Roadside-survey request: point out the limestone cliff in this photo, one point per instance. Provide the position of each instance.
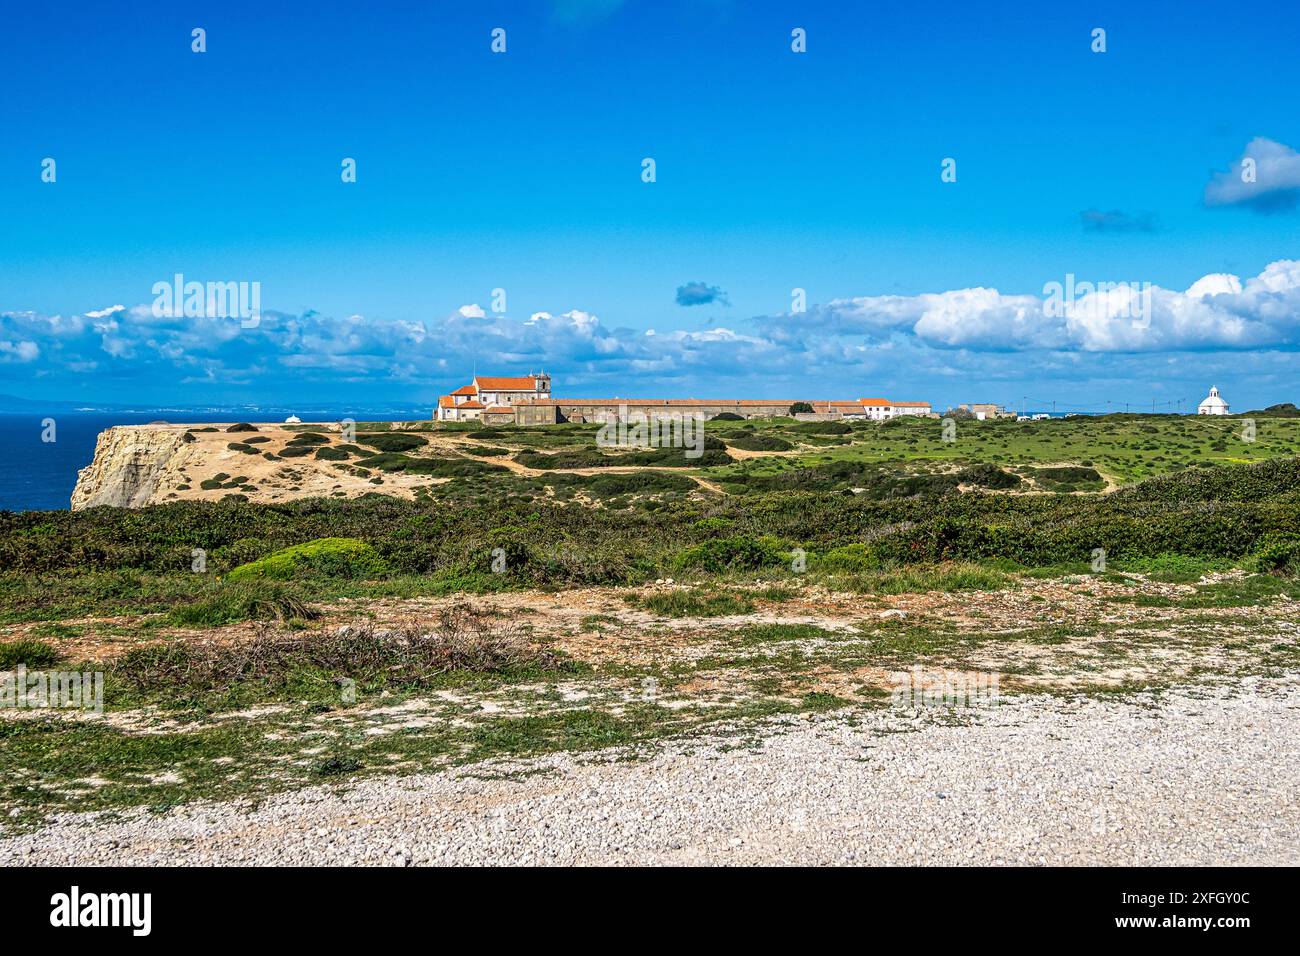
(131, 463)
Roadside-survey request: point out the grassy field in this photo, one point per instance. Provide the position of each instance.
(523, 610)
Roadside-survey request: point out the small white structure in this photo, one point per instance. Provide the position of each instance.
(293, 420)
(1213, 404)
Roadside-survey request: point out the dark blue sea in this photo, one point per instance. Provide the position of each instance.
(39, 476)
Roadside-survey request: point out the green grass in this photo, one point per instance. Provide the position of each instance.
(230, 602)
(32, 654)
(693, 603)
(958, 576)
(768, 633)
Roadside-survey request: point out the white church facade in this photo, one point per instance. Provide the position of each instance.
(1213, 404)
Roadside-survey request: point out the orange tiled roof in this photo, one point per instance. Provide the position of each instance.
(660, 402)
(466, 390)
(913, 404)
(472, 403)
(873, 401)
(446, 401)
(520, 384)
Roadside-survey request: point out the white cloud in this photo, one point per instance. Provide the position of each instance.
(1265, 178)
(1216, 311)
(103, 313)
(19, 351)
(934, 335)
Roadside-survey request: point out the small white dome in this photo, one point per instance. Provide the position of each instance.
(1212, 404)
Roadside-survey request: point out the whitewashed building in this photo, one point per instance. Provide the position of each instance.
(492, 397)
(1213, 404)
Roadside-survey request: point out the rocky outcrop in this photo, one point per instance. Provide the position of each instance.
(131, 463)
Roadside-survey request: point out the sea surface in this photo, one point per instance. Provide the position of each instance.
(37, 475)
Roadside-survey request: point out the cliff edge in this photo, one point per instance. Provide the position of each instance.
(130, 464)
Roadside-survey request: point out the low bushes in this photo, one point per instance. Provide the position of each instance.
(30, 653)
(643, 483)
(393, 441)
(760, 442)
(459, 640)
(571, 544)
(434, 467)
(733, 554)
(695, 603)
(232, 602)
(822, 428)
(332, 557)
(988, 476)
(1278, 553)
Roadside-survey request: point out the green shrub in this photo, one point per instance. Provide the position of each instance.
(32, 654)
(393, 441)
(822, 428)
(695, 603)
(645, 482)
(232, 602)
(434, 467)
(738, 553)
(714, 525)
(988, 476)
(238, 427)
(853, 558)
(308, 438)
(1278, 554)
(331, 557)
(356, 450)
(328, 453)
(760, 442)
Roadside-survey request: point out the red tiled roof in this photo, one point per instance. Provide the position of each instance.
(521, 384)
(661, 402)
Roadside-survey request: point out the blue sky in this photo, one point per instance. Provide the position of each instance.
(522, 171)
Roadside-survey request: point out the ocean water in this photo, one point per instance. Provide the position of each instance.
(36, 475)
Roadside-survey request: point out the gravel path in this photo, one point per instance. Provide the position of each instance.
(1198, 776)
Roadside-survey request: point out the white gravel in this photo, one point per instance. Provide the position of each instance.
(1197, 776)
